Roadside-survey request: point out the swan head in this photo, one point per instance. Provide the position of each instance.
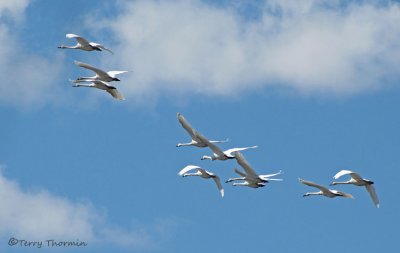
(205, 157)
(368, 181)
(61, 46)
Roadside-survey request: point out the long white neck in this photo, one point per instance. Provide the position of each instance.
(344, 182)
(184, 144)
(68, 47)
(241, 184)
(191, 174)
(312, 193)
(234, 179)
(84, 85)
(86, 79)
(207, 157)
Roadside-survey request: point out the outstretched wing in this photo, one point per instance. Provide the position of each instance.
(116, 94)
(348, 172)
(312, 184)
(101, 46)
(187, 169)
(87, 66)
(212, 146)
(245, 165)
(372, 193)
(219, 186)
(268, 176)
(80, 39)
(185, 124)
(343, 194)
(232, 150)
(114, 73)
(240, 173)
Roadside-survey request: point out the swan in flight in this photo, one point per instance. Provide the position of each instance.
(356, 179)
(100, 74)
(195, 141)
(251, 178)
(323, 190)
(83, 44)
(202, 173)
(218, 154)
(102, 86)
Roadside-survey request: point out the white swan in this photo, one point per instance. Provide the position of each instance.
(251, 178)
(195, 141)
(218, 153)
(101, 75)
(356, 179)
(323, 190)
(83, 44)
(202, 173)
(102, 86)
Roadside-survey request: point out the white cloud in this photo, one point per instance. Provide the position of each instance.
(27, 78)
(182, 47)
(42, 216)
(13, 8)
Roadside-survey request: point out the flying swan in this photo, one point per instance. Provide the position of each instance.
(202, 173)
(195, 141)
(218, 154)
(356, 179)
(323, 190)
(251, 178)
(100, 74)
(83, 44)
(102, 86)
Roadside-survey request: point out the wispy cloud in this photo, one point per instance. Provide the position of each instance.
(41, 215)
(313, 47)
(13, 8)
(27, 78)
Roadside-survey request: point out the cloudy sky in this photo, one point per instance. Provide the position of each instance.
(315, 84)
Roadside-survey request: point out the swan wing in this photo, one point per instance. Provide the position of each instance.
(240, 173)
(245, 165)
(219, 186)
(231, 151)
(101, 46)
(80, 39)
(372, 193)
(116, 94)
(87, 66)
(312, 184)
(114, 73)
(268, 176)
(343, 194)
(185, 124)
(187, 169)
(212, 146)
(348, 172)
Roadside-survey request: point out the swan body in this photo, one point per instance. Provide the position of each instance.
(323, 190)
(218, 154)
(357, 180)
(250, 177)
(101, 75)
(192, 132)
(102, 86)
(83, 44)
(203, 174)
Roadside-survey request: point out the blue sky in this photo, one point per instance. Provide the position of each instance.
(313, 83)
